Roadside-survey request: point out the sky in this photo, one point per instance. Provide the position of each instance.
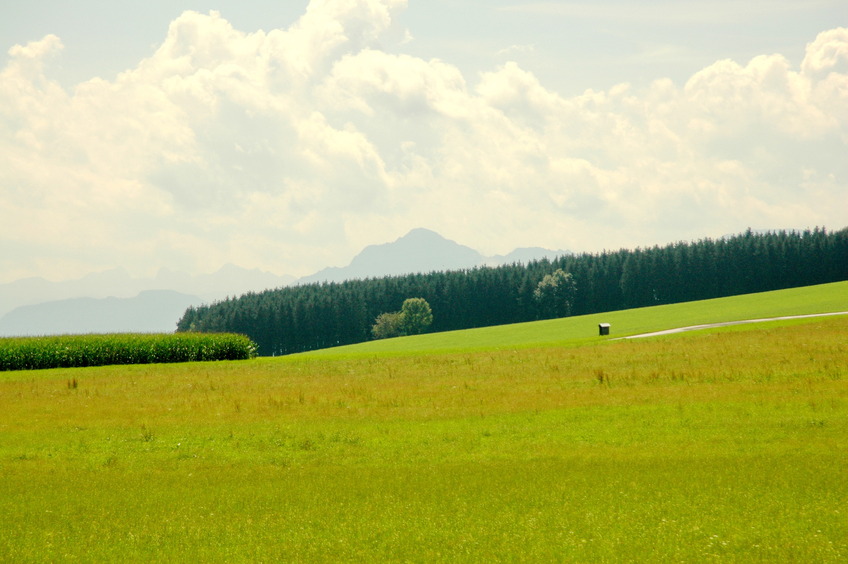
(287, 136)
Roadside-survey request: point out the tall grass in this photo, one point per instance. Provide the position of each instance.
(32, 353)
(712, 447)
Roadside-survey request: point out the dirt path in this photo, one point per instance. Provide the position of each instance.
(728, 323)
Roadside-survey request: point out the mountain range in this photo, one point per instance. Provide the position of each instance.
(152, 311)
(420, 250)
(114, 301)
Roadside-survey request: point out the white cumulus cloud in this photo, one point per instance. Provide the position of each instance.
(293, 148)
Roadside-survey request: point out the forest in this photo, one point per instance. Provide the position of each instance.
(307, 317)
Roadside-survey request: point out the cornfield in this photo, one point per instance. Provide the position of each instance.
(66, 351)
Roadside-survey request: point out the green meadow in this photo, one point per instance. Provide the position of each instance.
(573, 331)
(534, 442)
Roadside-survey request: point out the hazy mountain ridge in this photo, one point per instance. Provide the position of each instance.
(229, 280)
(421, 250)
(152, 311)
(114, 301)
(525, 255)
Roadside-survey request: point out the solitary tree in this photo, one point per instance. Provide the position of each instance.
(416, 316)
(555, 294)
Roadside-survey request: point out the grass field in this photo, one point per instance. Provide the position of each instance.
(572, 331)
(726, 445)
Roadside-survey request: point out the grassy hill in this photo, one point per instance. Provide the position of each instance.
(572, 331)
(504, 444)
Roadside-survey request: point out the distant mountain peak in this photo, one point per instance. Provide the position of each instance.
(422, 233)
(97, 300)
(421, 250)
(419, 236)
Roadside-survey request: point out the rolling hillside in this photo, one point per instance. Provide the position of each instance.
(528, 442)
(316, 316)
(824, 298)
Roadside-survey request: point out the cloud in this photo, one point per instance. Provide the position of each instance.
(828, 53)
(294, 148)
(37, 50)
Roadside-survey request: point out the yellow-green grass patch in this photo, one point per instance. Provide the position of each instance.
(583, 330)
(716, 446)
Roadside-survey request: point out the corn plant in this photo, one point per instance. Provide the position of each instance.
(66, 351)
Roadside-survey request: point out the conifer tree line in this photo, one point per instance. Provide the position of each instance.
(307, 317)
